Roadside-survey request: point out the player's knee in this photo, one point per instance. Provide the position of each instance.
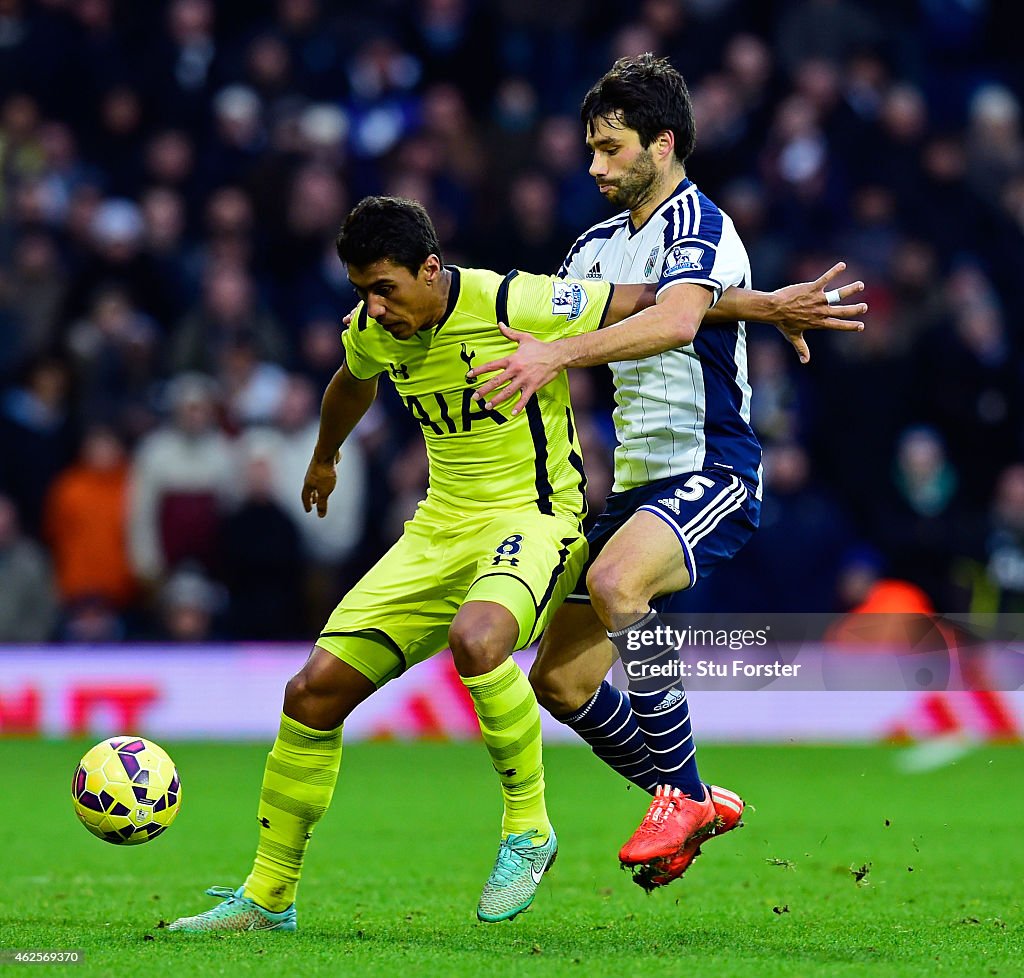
(296, 694)
(477, 648)
(301, 690)
(554, 691)
(613, 595)
(311, 698)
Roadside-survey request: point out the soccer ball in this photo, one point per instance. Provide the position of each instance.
(126, 791)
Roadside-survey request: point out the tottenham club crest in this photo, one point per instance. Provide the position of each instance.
(568, 299)
(467, 358)
(682, 259)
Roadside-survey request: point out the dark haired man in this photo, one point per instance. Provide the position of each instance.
(491, 552)
(688, 465)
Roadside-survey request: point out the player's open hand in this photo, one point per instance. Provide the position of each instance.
(817, 305)
(321, 478)
(525, 372)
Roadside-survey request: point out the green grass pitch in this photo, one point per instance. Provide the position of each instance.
(396, 867)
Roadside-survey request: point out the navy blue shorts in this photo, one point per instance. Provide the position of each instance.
(712, 513)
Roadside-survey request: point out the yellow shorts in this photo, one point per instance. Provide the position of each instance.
(400, 612)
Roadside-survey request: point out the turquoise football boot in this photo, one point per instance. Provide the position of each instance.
(517, 873)
(235, 912)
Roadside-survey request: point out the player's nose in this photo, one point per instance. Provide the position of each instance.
(376, 310)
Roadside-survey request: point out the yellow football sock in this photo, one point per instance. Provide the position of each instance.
(298, 783)
(510, 723)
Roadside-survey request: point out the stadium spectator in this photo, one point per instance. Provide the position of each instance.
(832, 29)
(228, 313)
(1002, 586)
(153, 155)
(287, 445)
(260, 557)
(230, 235)
(21, 152)
(190, 604)
(116, 139)
(238, 137)
(30, 297)
(922, 518)
(316, 46)
(996, 144)
(36, 437)
(971, 392)
(164, 220)
(315, 205)
(528, 236)
(114, 255)
(803, 528)
(114, 354)
(27, 602)
(182, 64)
(452, 40)
(85, 523)
(183, 477)
(775, 405)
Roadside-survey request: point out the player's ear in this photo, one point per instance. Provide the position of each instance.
(431, 269)
(665, 144)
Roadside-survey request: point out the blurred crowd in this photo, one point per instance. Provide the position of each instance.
(172, 175)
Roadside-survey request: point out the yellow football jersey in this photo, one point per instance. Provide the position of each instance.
(481, 460)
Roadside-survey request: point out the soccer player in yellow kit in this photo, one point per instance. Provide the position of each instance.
(488, 557)
(481, 568)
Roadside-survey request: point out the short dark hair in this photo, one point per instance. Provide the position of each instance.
(650, 96)
(392, 228)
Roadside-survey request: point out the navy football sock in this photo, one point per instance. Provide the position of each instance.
(607, 724)
(659, 701)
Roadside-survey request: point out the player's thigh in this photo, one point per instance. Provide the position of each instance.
(399, 612)
(575, 655)
(527, 562)
(643, 559)
(681, 529)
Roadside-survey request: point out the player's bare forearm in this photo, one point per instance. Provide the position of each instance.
(627, 300)
(669, 324)
(643, 335)
(346, 400)
(744, 304)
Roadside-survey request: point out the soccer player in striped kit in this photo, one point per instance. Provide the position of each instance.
(687, 466)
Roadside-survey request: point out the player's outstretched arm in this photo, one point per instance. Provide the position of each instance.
(346, 400)
(670, 323)
(796, 308)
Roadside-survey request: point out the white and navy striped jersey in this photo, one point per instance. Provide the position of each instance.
(685, 409)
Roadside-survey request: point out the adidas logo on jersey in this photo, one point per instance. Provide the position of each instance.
(672, 504)
(595, 271)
